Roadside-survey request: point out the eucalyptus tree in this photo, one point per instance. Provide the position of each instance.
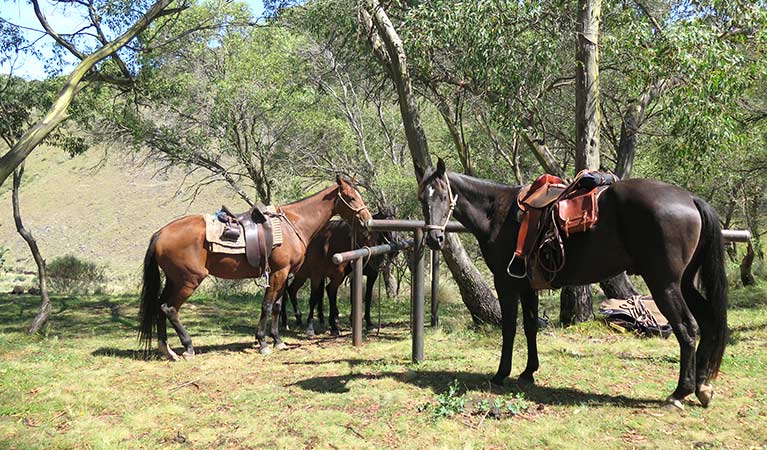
(110, 27)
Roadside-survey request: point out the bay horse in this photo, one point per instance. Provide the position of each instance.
(318, 267)
(646, 227)
(179, 249)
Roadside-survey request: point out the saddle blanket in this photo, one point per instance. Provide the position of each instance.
(639, 314)
(214, 228)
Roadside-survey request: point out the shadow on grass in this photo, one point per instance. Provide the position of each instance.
(438, 380)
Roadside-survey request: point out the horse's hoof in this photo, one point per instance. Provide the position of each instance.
(165, 349)
(704, 393)
(526, 378)
(280, 346)
(673, 403)
(310, 332)
(187, 355)
(265, 350)
(498, 381)
(335, 333)
(370, 327)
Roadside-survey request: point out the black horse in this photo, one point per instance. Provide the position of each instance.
(646, 227)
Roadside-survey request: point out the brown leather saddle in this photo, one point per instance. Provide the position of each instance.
(257, 227)
(550, 205)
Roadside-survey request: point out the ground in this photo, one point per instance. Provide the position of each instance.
(85, 385)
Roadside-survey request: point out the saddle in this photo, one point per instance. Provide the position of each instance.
(548, 207)
(261, 226)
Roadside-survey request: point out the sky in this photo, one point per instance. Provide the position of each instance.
(62, 19)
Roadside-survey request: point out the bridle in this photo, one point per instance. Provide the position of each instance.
(453, 202)
(355, 210)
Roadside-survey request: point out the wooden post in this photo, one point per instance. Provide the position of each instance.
(417, 297)
(357, 303)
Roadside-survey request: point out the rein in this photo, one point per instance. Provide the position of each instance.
(453, 202)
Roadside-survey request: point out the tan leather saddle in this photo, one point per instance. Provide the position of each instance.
(551, 202)
(255, 223)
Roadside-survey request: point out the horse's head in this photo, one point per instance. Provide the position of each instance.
(438, 203)
(350, 206)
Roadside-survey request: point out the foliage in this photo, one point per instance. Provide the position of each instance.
(3, 251)
(448, 403)
(72, 275)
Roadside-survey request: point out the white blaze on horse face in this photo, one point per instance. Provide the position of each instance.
(430, 192)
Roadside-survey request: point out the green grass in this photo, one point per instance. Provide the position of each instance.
(84, 384)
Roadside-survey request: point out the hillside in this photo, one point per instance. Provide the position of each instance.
(100, 210)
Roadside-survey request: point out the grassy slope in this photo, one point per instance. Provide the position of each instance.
(105, 215)
(84, 386)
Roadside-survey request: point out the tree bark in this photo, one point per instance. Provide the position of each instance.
(58, 111)
(45, 302)
(746, 277)
(587, 85)
(575, 301)
(387, 46)
(572, 305)
(619, 286)
(389, 281)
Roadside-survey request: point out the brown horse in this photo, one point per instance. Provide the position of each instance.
(179, 248)
(646, 227)
(318, 266)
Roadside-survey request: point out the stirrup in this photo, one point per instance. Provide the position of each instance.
(516, 275)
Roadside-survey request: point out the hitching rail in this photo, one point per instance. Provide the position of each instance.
(359, 256)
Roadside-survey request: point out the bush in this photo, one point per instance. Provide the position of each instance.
(3, 251)
(72, 275)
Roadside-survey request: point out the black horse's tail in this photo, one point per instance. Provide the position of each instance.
(149, 310)
(714, 280)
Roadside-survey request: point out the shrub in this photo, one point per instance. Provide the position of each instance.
(72, 275)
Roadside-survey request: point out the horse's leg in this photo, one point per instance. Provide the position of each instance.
(509, 298)
(162, 331)
(530, 323)
(332, 291)
(672, 305)
(275, 332)
(284, 316)
(276, 284)
(704, 317)
(292, 291)
(318, 286)
(370, 284)
(171, 312)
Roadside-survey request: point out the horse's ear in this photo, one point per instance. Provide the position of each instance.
(338, 179)
(354, 179)
(441, 167)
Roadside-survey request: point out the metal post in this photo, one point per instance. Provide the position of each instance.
(357, 303)
(417, 300)
(434, 288)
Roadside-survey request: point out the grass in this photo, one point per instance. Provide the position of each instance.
(84, 384)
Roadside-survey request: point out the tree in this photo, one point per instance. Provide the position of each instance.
(388, 47)
(87, 70)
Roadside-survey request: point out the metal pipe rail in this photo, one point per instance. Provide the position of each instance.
(417, 288)
(408, 225)
(340, 258)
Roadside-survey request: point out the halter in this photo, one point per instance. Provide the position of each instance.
(355, 210)
(453, 202)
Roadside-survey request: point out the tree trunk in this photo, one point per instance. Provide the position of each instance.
(587, 85)
(387, 46)
(389, 280)
(576, 304)
(45, 305)
(58, 111)
(746, 277)
(619, 286)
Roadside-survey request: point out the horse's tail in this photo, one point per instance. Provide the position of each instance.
(149, 310)
(714, 280)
